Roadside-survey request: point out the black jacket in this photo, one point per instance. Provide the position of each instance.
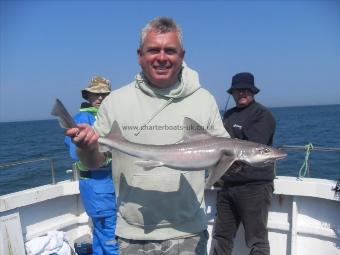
(253, 123)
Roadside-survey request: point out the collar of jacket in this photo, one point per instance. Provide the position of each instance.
(188, 83)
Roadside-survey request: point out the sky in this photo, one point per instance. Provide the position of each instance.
(51, 49)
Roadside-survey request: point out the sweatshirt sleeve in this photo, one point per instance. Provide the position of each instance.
(216, 126)
(104, 122)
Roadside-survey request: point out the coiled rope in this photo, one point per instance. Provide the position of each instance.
(304, 169)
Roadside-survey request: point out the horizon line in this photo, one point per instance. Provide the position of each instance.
(221, 110)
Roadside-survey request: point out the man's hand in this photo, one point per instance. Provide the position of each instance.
(86, 140)
(83, 136)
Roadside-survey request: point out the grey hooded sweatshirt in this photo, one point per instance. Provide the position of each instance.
(161, 203)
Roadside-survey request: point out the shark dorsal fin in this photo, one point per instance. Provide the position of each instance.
(193, 130)
(115, 131)
(114, 134)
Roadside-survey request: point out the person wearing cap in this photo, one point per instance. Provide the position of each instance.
(96, 186)
(246, 194)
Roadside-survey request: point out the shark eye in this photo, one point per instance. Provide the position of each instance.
(264, 150)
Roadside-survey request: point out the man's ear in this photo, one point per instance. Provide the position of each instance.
(139, 54)
(183, 53)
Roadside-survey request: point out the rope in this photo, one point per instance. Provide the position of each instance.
(304, 169)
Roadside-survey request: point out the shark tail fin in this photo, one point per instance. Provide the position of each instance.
(64, 118)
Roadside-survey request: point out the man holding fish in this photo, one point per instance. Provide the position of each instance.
(160, 198)
(160, 209)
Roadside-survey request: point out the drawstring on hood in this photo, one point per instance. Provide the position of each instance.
(188, 83)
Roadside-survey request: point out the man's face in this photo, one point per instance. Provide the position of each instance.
(161, 58)
(95, 99)
(242, 97)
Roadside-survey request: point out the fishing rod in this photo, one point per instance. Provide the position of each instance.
(226, 106)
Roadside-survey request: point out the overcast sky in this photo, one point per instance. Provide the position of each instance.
(50, 49)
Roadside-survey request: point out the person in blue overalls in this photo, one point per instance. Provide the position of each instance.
(95, 185)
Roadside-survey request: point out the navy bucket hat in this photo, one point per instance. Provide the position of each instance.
(243, 81)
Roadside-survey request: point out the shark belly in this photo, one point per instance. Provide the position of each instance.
(187, 159)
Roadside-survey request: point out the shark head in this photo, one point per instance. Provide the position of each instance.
(261, 155)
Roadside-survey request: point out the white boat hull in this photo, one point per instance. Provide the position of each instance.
(303, 219)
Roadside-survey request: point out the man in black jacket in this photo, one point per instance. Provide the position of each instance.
(246, 194)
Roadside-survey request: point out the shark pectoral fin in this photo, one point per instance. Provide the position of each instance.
(148, 164)
(218, 171)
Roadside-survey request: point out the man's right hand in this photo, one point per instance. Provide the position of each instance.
(86, 140)
(83, 136)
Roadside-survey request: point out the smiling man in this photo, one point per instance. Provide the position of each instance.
(161, 55)
(160, 211)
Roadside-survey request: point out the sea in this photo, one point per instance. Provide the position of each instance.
(28, 148)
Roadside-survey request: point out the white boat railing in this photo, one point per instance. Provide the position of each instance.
(315, 148)
(308, 148)
(72, 172)
(34, 160)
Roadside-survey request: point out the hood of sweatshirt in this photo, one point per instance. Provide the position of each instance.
(187, 84)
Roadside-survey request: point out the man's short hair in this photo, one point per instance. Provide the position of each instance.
(161, 25)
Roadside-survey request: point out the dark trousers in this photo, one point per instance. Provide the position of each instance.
(249, 204)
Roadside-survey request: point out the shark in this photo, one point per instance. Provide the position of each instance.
(197, 150)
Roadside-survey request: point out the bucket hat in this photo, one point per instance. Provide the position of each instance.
(97, 85)
(243, 81)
